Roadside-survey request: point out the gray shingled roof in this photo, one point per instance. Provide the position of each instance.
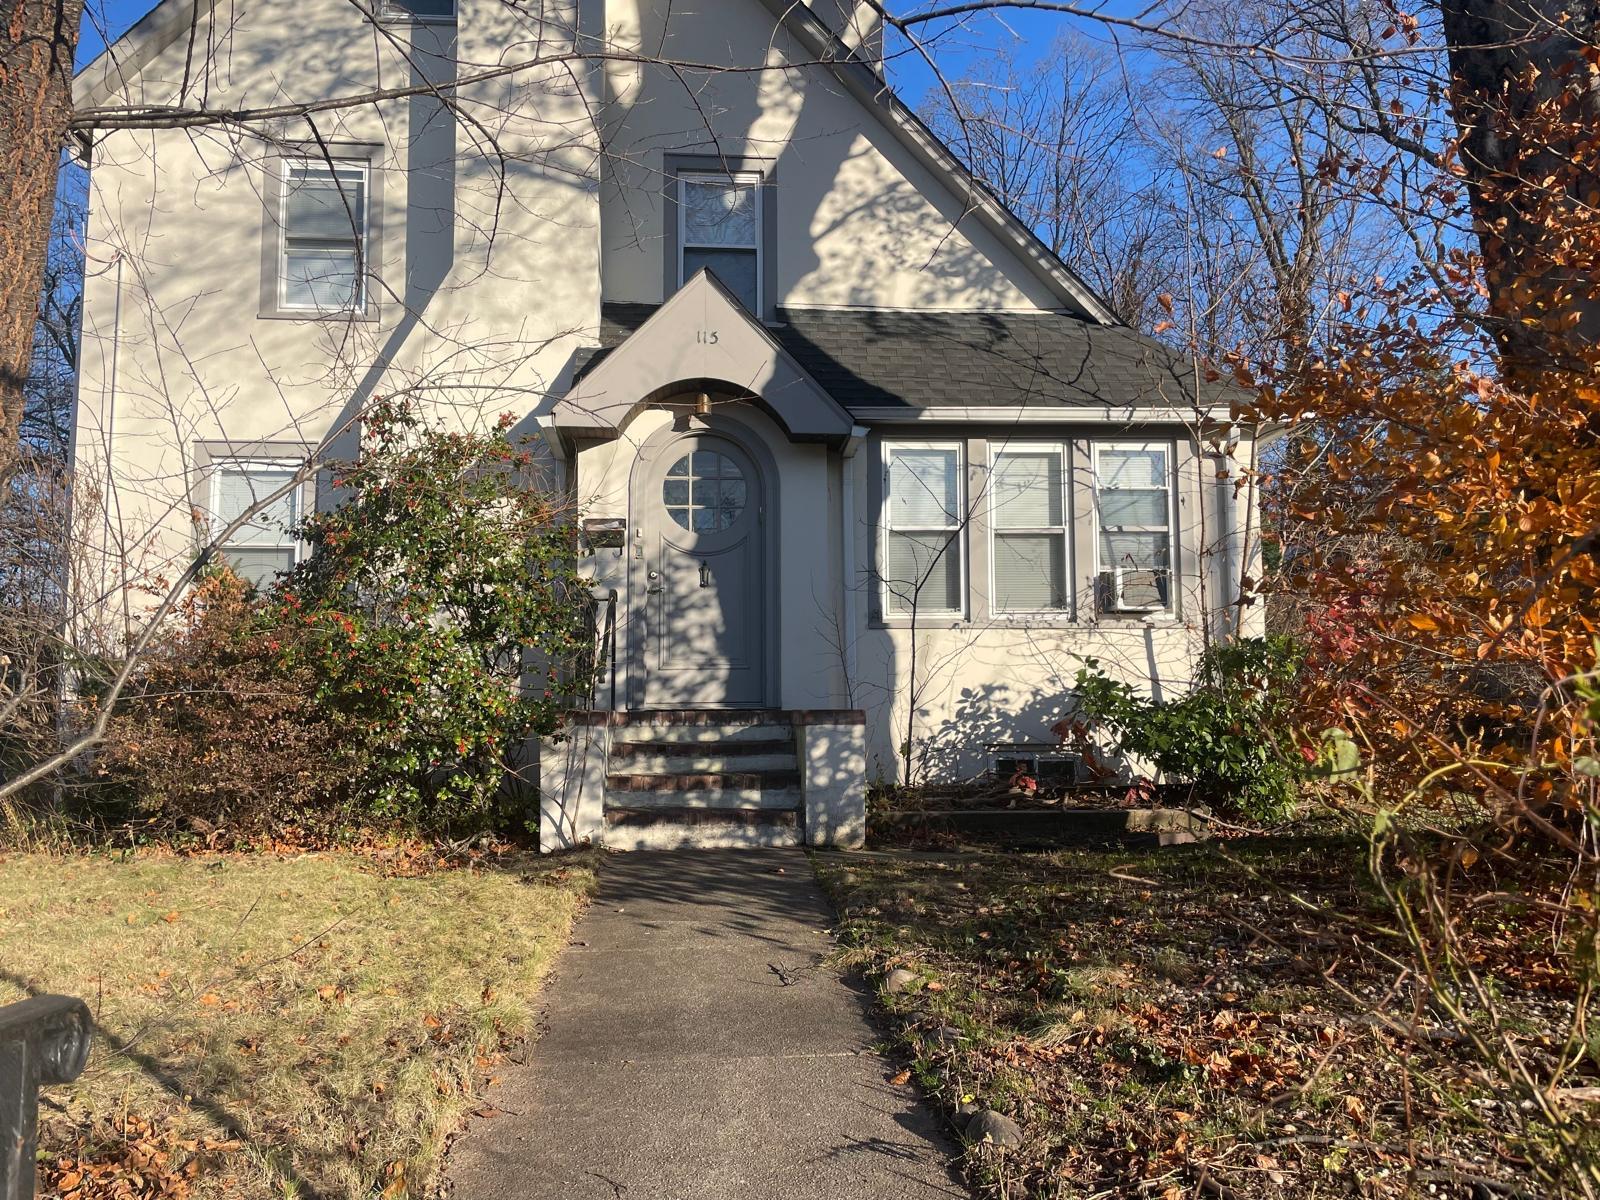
(872, 358)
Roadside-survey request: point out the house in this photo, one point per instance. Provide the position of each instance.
(864, 470)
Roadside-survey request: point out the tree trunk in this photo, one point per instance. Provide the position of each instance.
(1524, 103)
(38, 39)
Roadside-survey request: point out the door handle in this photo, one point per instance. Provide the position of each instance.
(705, 575)
(655, 583)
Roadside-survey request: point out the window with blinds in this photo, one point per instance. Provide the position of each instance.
(1133, 500)
(264, 545)
(1028, 525)
(719, 227)
(922, 550)
(323, 224)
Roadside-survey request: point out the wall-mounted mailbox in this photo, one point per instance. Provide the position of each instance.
(605, 533)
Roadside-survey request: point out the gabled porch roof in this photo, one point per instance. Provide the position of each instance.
(701, 339)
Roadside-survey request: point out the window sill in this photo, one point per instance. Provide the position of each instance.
(368, 317)
(997, 622)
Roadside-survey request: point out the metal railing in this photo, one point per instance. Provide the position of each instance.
(43, 1040)
(603, 621)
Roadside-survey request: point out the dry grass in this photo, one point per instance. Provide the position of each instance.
(277, 1026)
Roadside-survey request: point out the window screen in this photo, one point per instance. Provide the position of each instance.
(264, 545)
(1027, 493)
(324, 234)
(922, 551)
(1133, 496)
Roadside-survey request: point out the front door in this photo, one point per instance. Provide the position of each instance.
(701, 521)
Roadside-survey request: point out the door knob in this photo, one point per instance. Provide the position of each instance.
(655, 582)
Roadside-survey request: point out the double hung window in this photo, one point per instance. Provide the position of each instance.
(924, 561)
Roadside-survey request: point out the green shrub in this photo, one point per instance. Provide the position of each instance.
(1229, 735)
(439, 616)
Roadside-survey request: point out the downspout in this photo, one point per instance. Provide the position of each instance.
(847, 555)
(1227, 518)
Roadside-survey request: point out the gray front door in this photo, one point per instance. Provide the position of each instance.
(700, 641)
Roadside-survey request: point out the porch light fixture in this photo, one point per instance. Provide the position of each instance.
(702, 405)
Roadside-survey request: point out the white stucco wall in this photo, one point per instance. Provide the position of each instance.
(486, 274)
(860, 222)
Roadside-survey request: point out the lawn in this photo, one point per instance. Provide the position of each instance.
(277, 1026)
(1219, 1020)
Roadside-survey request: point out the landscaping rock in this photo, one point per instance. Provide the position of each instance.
(948, 1036)
(899, 980)
(990, 1126)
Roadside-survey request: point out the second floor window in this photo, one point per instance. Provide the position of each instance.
(720, 227)
(324, 236)
(263, 546)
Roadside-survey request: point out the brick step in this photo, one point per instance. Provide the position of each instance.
(745, 745)
(721, 734)
(716, 759)
(702, 781)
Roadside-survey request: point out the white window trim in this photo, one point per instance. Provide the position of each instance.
(286, 166)
(1064, 452)
(1169, 451)
(298, 493)
(886, 529)
(684, 245)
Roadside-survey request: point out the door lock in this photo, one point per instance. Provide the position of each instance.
(655, 582)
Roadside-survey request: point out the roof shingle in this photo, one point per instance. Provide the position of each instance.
(875, 358)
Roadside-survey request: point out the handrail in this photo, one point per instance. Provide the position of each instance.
(606, 639)
(42, 1040)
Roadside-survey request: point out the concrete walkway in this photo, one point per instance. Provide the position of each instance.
(696, 1049)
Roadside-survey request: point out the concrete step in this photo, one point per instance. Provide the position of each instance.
(661, 828)
(769, 799)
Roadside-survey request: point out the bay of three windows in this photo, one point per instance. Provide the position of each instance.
(1023, 509)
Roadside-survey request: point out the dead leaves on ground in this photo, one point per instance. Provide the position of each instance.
(130, 1158)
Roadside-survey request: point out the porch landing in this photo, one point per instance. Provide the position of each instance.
(697, 1048)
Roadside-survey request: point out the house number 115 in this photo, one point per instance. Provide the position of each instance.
(706, 337)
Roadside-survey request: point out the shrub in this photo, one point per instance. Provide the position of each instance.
(221, 736)
(439, 615)
(1229, 736)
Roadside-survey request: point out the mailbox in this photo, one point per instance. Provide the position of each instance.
(605, 533)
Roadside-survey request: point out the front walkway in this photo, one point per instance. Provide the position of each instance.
(697, 1049)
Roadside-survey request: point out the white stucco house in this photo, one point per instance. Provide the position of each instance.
(864, 470)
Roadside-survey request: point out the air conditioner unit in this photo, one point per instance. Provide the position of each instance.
(1134, 590)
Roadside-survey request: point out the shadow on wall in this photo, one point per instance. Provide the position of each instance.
(856, 229)
(430, 222)
(975, 687)
(982, 716)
